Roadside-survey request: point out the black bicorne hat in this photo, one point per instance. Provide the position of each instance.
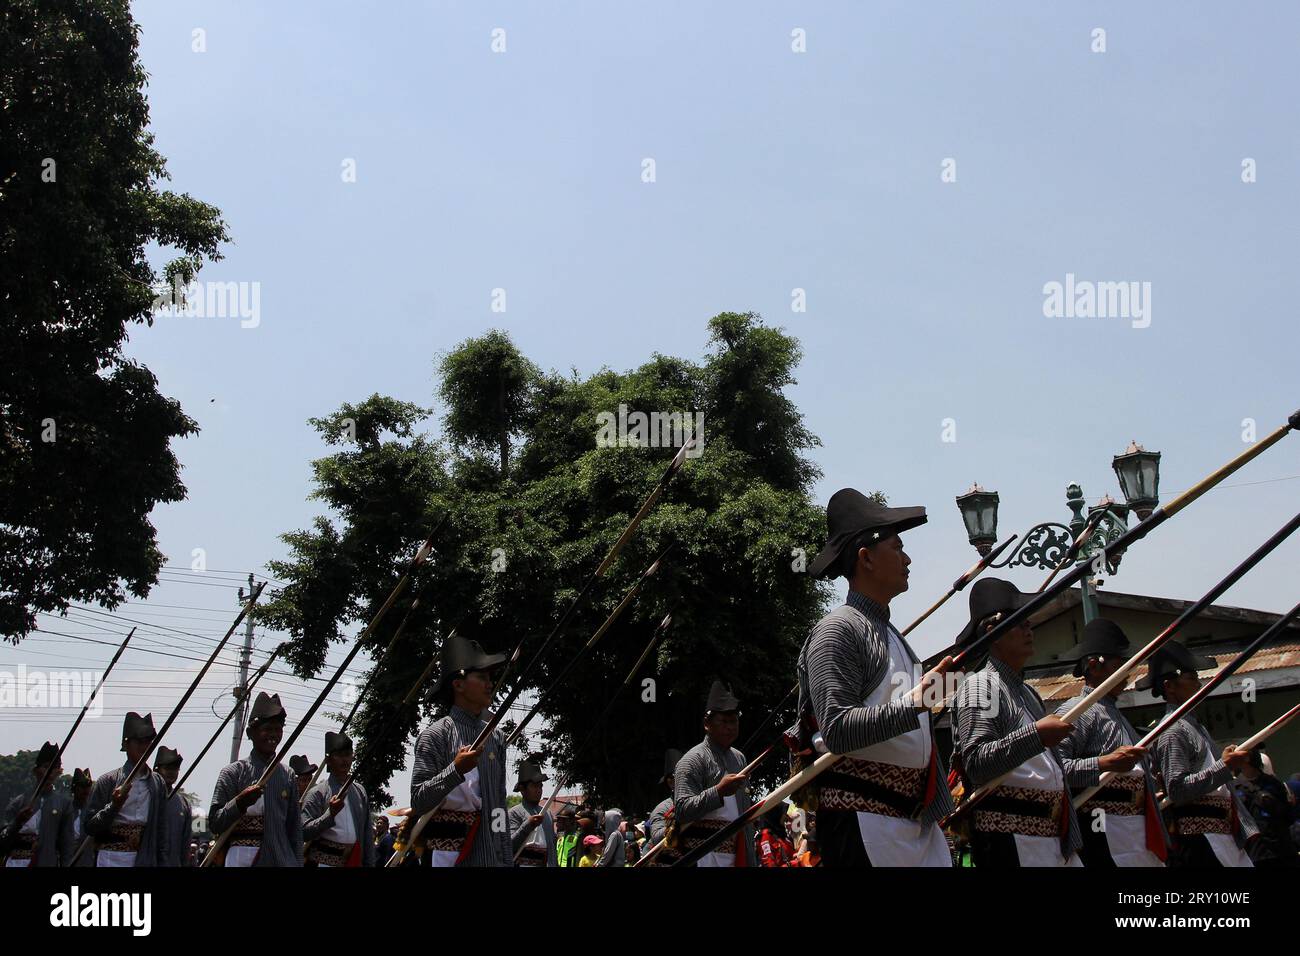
(266, 708)
(721, 699)
(990, 596)
(49, 750)
(458, 655)
(81, 778)
(302, 766)
(135, 727)
(1102, 637)
(166, 757)
(671, 759)
(337, 743)
(851, 513)
(529, 772)
(1172, 658)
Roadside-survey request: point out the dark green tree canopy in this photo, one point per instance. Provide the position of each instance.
(516, 545)
(85, 436)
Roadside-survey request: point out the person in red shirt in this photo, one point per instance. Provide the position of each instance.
(774, 849)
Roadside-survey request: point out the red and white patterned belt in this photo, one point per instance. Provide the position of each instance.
(1124, 796)
(1214, 813)
(1022, 810)
(868, 786)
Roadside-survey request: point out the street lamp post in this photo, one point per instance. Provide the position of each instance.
(1048, 543)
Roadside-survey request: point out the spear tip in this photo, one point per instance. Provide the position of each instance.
(1294, 420)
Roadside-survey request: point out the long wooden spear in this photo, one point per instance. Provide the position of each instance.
(1202, 692)
(127, 781)
(403, 582)
(1134, 534)
(1251, 743)
(248, 690)
(659, 632)
(600, 632)
(1118, 678)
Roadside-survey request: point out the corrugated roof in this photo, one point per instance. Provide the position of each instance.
(1063, 686)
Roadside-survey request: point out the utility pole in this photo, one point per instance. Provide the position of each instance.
(241, 692)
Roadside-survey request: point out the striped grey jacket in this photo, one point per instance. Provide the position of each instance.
(696, 786)
(100, 814)
(180, 827)
(658, 823)
(55, 843)
(994, 712)
(282, 820)
(844, 659)
(316, 817)
(434, 776)
(521, 830)
(1101, 729)
(1182, 751)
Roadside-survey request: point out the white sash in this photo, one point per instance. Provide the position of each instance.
(465, 798)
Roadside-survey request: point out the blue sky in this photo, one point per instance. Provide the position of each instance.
(774, 170)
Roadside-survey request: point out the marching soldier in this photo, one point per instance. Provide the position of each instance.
(881, 802)
(1000, 726)
(662, 814)
(1208, 825)
(532, 831)
(267, 821)
(40, 834)
(303, 772)
(128, 818)
(465, 787)
(180, 816)
(82, 783)
(709, 790)
(1120, 825)
(336, 825)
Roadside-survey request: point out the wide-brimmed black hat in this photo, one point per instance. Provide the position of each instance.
(721, 700)
(166, 757)
(49, 750)
(849, 514)
(460, 655)
(337, 743)
(1102, 637)
(302, 766)
(81, 778)
(529, 773)
(1172, 658)
(671, 759)
(266, 708)
(135, 727)
(990, 596)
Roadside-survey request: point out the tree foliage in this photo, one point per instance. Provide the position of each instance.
(84, 433)
(517, 543)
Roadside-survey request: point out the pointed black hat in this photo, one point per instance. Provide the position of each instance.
(990, 596)
(266, 708)
(166, 757)
(135, 727)
(851, 513)
(337, 743)
(49, 750)
(1171, 659)
(1102, 637)
(459, 655)
(671, 759)
(721, 699)
(530, 772)
(301, 766)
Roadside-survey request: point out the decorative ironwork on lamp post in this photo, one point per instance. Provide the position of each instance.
(1048, 543)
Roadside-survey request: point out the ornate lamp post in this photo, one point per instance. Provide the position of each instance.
(1046, 544)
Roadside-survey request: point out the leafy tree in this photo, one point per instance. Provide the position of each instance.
(16, 776)
(84, 433)
(521, 534)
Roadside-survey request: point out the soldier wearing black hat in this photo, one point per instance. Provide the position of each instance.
(1208, 825)
(267, 820)
(127, 818)
(465, 787)
(1001, 727)
(709, 790)
(662, 814)
(303, 772)
(39, 833)
(180, 817)
(532, 830)
(335, 825)
(879, 805)
(1120, 824)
